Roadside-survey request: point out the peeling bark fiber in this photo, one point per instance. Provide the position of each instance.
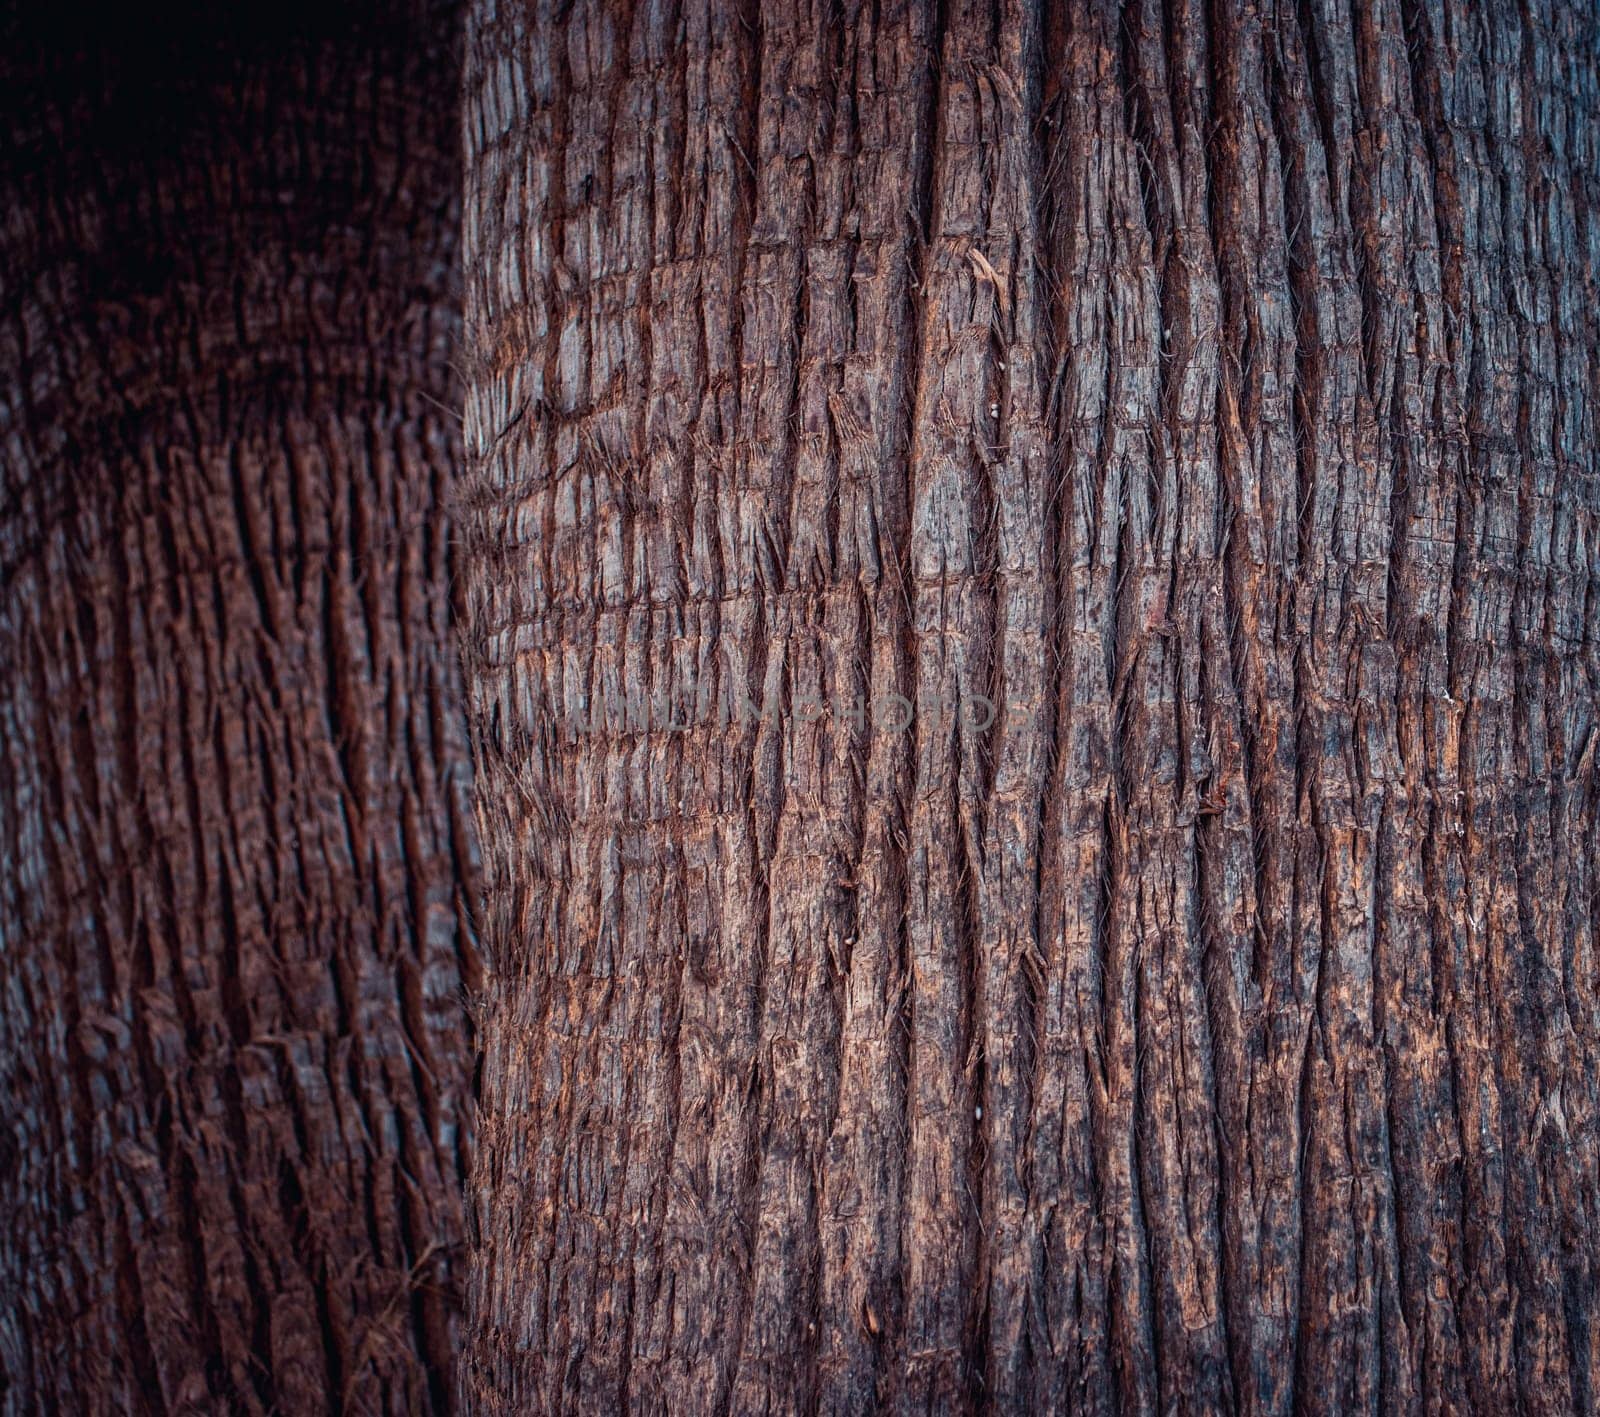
(1209, 388)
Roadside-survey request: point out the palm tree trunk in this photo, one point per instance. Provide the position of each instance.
(1033, 669)
(233, 808)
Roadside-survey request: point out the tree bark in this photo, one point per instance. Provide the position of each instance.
(233, 806)
(1209, 387)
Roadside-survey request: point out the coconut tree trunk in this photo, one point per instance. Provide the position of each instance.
(1030, 594)
(232, 783)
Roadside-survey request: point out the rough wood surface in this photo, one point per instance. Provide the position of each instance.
(1210, 386)
(233, 815)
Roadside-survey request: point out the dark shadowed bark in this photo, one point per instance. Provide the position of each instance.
(232, 793)
(1209, 387)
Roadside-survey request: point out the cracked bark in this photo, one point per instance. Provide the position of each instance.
(1211, 387)
(233, 803)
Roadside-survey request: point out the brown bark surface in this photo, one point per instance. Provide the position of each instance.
(1212, 388)
(233, 813)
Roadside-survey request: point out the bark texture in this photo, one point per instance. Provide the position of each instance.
(233, 808)
(1211, 387)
